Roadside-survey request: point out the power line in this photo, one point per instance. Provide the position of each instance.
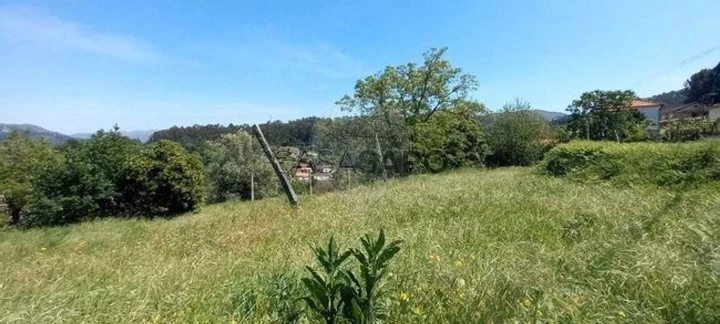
(678, 65)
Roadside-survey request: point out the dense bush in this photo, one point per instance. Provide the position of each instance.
(107, 175)
(636, 163)
(449, 139)
(516, 135)
(162, 179)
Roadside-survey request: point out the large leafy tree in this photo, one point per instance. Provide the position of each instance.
(230, 161)
(606, 115)
(403, 101)
(703, 86)
(22, 159)
(516, 135)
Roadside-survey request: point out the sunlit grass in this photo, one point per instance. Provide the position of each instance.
(499, 245)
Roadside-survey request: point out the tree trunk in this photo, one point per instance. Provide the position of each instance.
(15, 216)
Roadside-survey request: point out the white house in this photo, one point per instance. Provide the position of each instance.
(651, 111)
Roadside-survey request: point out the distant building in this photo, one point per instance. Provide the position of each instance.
(303, 173)
(686, 111)
(322, 176)
(324, 168)
(651, 111)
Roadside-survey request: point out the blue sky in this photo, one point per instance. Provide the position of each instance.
(78, 66)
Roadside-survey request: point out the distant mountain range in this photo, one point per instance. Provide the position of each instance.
(549, 115)
(142, 135)
(35, 131)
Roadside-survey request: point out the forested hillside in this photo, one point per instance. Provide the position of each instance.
(32, 131)
(671, 98)
(296, 132)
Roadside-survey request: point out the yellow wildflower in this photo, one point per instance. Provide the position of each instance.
(404, 297)
(435, 257)
(526, 302)
(417, 310)
(575, 299)
(156, 318)
(621, 313)
(458, 263)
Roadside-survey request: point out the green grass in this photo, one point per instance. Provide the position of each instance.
(664, 164)
(504, 245)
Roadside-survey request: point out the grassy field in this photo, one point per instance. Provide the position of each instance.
(504, 245)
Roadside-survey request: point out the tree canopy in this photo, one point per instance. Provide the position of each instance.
(703, 86)
(423, 107)
(606, 115)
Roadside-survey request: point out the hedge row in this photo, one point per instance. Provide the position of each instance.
(636, 163)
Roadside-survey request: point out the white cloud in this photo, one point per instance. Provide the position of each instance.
(39, 29)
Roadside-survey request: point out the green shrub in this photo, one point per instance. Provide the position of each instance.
(636, 163)
(163, 179)
(517, 135)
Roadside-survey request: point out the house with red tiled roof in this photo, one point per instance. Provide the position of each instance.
(651, 111)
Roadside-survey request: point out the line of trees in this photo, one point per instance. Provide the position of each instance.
(297, 132)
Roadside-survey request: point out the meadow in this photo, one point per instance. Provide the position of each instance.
(503, 245)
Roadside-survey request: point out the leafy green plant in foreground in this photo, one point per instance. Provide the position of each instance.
(342, 289)
(324, 290)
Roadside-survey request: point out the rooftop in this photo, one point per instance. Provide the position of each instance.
(637, 103)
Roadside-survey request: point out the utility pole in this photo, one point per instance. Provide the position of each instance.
(284, 181)
(252, 172)
(383, 171)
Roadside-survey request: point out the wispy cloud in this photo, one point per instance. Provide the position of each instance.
(33, 27)
(324, 59)
(268, 48)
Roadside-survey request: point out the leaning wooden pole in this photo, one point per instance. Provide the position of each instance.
(383, 171)
(284, 181)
